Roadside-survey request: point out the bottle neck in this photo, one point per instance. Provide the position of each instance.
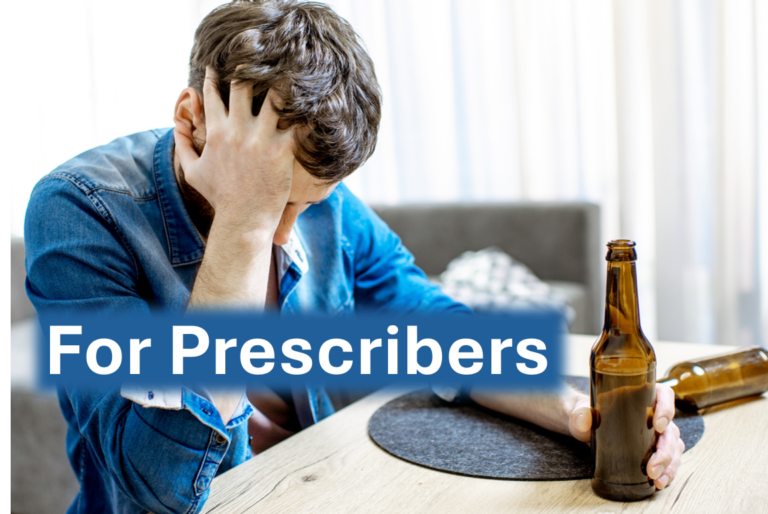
(622, 313)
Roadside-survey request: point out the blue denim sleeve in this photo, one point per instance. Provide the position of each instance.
(161, 459)
(386, 277)
(74, 259)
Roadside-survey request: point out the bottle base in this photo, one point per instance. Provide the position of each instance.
(623, 492)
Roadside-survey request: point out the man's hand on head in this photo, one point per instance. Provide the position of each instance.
(246, 166)
(665, 461)
(245, 172)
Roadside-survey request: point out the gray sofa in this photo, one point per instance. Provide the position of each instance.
(558, 241)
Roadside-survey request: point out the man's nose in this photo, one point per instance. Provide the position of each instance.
(282, 235)
(283, 232)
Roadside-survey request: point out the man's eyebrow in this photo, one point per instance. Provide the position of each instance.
(311, 203)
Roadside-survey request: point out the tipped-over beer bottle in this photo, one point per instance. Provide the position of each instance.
(622, 387)
(704, 382)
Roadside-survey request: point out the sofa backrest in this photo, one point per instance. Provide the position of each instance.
(556, 240)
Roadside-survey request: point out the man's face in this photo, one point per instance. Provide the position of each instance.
(306, 190)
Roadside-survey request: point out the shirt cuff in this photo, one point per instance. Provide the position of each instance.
(198, 401)
(157, 397)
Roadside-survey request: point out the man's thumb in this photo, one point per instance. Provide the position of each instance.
(185, 148)
(581, 424)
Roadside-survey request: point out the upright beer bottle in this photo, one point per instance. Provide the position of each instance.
(622, 387)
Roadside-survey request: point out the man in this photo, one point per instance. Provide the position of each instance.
(240, 204)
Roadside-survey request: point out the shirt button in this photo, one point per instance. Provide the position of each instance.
(220, 439)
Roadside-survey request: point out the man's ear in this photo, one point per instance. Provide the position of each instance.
(189, 117)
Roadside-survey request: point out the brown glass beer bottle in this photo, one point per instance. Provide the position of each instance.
(622, 387)
(704, 382)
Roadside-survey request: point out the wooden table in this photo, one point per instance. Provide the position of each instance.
(334, 467)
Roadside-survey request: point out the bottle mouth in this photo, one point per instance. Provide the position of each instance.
(621, 250)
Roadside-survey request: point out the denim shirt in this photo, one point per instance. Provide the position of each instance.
(108, 230)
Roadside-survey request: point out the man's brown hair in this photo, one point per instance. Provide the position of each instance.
(313, 59)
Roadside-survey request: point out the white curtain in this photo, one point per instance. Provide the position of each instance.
(80, 73)
(655, 110)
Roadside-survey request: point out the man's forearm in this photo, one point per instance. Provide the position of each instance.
(552, 412)
(234, 272)
(235, 268)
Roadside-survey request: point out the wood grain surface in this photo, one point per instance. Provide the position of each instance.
(334, 467)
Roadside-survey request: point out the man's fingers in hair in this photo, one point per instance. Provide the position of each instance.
(240, 100)
(268, 118)
(302, 132)
(215, 112)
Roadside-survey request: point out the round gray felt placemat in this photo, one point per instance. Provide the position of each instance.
(470, 440)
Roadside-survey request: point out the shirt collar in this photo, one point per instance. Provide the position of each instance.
(292, 253)
(185, 246)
